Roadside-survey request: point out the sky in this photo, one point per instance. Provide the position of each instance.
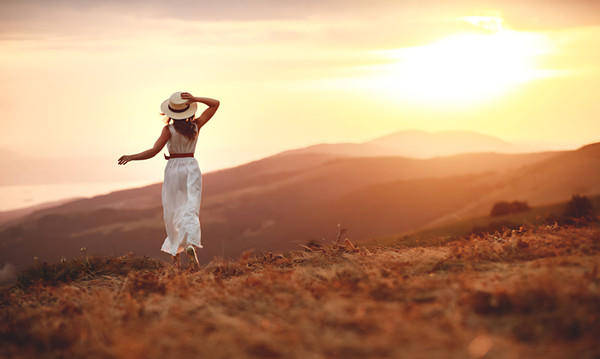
(85, 79)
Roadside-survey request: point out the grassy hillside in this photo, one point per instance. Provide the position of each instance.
(533, 293)
(485, 224)
(548, 181)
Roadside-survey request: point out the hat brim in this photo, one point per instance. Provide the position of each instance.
(164, 108)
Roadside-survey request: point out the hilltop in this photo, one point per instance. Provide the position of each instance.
(415, 144)
(532, 292)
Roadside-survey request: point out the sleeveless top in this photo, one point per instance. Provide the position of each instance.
(178, 143)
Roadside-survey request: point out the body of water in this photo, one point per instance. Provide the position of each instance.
(15, 197)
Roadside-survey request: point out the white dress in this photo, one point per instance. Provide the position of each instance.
(181, 195)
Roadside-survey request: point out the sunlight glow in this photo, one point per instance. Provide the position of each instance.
(463, 67)
(490, 23)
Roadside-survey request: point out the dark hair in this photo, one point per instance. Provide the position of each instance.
(186, 127)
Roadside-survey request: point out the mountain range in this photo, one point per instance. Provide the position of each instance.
(417, 144)
(29, 170)
(297, 196)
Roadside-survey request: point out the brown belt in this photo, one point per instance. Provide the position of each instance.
(176, 155)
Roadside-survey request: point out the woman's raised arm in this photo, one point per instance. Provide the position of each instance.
(212, 104)
(158, 145)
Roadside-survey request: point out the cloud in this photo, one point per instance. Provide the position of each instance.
(549, 14)
(223, 10)
(43, 15)
(64, 27)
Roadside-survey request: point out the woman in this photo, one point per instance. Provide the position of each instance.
(182, 186)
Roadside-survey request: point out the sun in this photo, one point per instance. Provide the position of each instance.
(463, 67)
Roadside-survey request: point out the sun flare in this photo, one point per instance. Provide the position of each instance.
(463, 67)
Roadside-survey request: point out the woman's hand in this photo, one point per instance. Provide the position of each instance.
(124, 159)
(188, 96)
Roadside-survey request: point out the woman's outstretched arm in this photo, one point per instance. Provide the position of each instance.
(158, 145)
(212, 104)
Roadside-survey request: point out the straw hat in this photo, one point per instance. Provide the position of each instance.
(177, 108)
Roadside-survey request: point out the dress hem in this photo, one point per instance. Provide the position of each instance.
(180, 248)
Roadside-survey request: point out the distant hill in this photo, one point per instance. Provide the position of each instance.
(255, 173)
(416, 144)
(421, 144)
(288, 199)
(274, 203)
(39, 170)
(438, 235)
(548, 181)
(6, 216)
(348, 149)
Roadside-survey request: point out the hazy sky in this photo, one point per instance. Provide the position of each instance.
(87, 78)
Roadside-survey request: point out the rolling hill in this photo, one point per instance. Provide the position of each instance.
(551, 180)
(549, 214)
(27, 169)
(282, 201)
(422, 144)
(415, 144)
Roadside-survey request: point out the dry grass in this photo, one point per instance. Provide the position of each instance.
(528, 293)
